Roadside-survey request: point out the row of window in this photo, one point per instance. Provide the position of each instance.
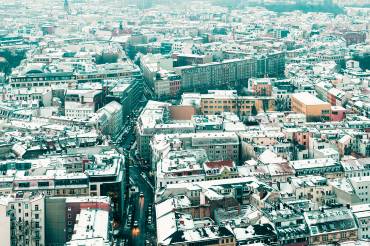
(28, 79)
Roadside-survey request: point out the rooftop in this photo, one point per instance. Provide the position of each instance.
(91, 223)
(308, 99)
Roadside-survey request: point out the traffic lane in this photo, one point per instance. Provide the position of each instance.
(144, 187)
(139, 236)
(137, 231)
(141, 230)
(128, 140)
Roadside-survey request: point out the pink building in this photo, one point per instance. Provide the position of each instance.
(261, 87)
(302, 137)
(338, 113)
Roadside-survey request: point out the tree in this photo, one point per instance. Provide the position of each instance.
(254, 110)
(4, 66)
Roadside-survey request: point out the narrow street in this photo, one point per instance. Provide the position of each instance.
(138, 235)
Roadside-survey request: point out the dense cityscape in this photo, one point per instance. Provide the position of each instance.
(188, 123)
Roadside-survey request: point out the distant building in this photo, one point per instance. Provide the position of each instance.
(40, 75)
(260, 87)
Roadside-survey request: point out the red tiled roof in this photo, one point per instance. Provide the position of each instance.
(219, 164)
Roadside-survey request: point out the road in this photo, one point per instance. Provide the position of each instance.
(138, 236)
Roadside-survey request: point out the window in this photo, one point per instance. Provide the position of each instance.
(93, 187)
(43, 184)
(24, 184)
(37, 216)
(36, 207)
(325, 111)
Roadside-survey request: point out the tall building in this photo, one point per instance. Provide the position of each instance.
(231, 72)
(22, 219)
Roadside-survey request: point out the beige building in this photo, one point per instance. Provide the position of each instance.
(311, 106)
(218, 101)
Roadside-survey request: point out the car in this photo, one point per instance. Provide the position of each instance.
(141, 194)
(116, 233)
(136, 224)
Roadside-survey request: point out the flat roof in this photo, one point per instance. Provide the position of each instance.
(308, 99)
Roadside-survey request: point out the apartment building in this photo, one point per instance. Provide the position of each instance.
(155, 119)
(232, 71)
(92, 227)
(315, 189)
(108, 119)
(101, 175)
(356, 167)
(128, 92)
(218, 145)
(217, 102)
(180, 167)
(311, 106)
(260, 87)
(81, 103)
(61, 214)
(22, 221)
(326, 167)
(331, 226)
(362, 215)
(361, 186)
(39, 78)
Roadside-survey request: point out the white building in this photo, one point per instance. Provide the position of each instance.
(181, 166)
(362, 215)
(356, 167)
(82, 103)
(361, 186)
(109, 119)
(92, 228)
(22, 219)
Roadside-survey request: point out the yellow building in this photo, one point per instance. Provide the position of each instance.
(217, 102)
(311, 106)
